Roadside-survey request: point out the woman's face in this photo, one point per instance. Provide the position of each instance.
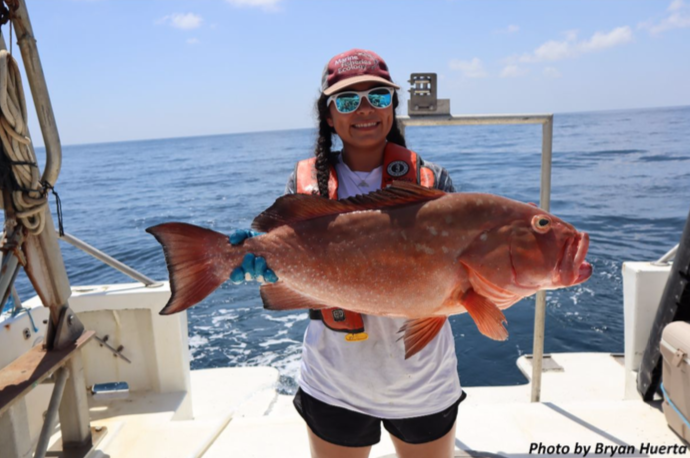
(366, 126)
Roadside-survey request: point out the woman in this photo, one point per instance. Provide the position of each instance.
(354, 374)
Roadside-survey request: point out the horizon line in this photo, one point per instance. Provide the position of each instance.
(306, 128)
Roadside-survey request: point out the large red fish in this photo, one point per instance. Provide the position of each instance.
(404, 251)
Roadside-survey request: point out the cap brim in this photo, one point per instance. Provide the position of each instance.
(358, 79)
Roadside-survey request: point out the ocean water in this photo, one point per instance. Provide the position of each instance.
(622, 176)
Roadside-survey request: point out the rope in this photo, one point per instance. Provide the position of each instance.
(30, 196)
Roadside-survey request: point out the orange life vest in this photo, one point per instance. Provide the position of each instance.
(399, 164)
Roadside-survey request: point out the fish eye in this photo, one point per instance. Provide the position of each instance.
(541, 224)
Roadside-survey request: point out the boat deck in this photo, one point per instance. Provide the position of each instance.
(237, 413)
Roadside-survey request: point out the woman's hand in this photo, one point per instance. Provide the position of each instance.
(253, 267)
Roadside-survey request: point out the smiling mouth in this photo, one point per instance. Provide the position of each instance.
(366, 125)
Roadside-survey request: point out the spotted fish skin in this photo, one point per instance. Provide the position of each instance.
(405, 251)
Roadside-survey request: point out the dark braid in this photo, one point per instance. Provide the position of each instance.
(324, 142)
(395, 135)
(323, 147)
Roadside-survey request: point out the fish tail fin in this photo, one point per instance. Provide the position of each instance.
(418, 333)
(199, 260)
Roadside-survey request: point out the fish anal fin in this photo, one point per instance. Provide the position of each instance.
(486, 315)
(278, 296)
(419, 332)
(294, 208)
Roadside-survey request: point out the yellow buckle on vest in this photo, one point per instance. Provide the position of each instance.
(358, 337)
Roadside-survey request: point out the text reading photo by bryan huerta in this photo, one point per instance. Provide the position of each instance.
(600, 449)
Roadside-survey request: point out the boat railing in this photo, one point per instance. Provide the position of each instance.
(110, 261)
(546, 120)
(668, 257)
(6, 281)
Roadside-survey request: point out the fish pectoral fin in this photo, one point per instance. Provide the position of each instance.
(419, 332)
(486, 315)
(278, 296)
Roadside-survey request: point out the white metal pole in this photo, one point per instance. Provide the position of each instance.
(45, 267)
(540, 307)
(112, 262)
(475, 120)
(74, 419)
(52, 413)
(39, 92)
(546, 120)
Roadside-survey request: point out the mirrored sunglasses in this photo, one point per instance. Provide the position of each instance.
(349, 101)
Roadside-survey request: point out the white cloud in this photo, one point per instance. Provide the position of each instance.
(266, 5)
(571, 35)
(510, 29)
(187, 21)
(675, 5)
(674, 21)
(513, 71)
(551, 50)
(678, 18)
(472, 69)
(558, 50)
(193, 41)
(551, 72)
(616, 37)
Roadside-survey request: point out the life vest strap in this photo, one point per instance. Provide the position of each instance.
(307, 183)
(340, 320)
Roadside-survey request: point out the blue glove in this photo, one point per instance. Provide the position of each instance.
(253, 267)
(240, 235)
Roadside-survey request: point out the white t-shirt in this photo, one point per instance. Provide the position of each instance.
(372, 376)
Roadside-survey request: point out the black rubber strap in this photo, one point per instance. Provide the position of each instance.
(315, 314)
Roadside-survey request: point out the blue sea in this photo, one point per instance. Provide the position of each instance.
(622, 176)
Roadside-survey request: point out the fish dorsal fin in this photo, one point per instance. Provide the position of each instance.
(294, 208)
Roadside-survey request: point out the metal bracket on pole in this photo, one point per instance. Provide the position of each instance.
(424, 99)
(66, 332)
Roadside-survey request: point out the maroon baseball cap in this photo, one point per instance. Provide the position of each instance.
(352, 67)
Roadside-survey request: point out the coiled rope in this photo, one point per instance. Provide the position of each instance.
(30, 197)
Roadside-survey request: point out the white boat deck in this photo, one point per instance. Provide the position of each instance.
(237, 413)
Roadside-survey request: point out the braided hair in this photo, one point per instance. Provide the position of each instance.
(324, 142)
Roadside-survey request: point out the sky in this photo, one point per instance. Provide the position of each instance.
(120, 70)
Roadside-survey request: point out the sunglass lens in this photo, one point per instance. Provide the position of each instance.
(380, 98)
(347, 103)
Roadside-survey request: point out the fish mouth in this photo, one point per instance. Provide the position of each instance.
(572, 269)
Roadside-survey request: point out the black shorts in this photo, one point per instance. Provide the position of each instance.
(353, 429)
